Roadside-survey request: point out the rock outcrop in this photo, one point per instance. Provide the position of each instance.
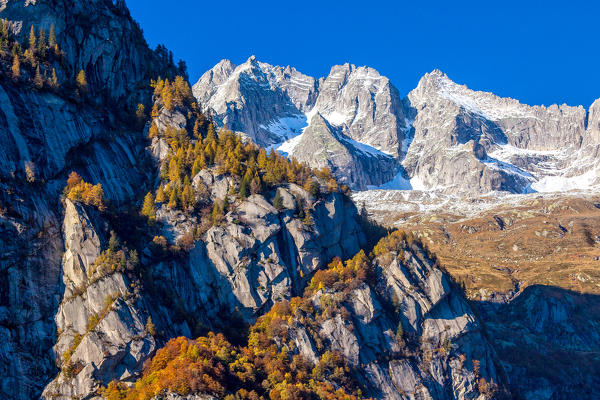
(101, 320)
(260, 255)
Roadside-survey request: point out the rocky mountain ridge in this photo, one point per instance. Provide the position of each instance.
(272, 104)
(443, 136)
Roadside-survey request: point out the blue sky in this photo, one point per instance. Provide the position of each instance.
(540, 52)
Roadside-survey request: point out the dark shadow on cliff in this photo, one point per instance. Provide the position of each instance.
(548, 339)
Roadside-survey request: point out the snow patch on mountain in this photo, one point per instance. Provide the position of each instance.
(287, 127)
(588, 180)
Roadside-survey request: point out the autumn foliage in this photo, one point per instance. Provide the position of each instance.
(83, 192)
(268, 368)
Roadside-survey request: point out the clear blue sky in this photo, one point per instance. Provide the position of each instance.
(540, 52)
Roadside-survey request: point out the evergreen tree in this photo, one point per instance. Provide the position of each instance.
(148, 208)
(37, 80)
(174, 171)
(308, 220)
(225, 206)
(42, 44)
(150, 327)
(199, 165)
(155, 110)
(54, 79)
(32, 40)
(16, 67)
(164, 170)
(245, 187)
(16, 50)
(52, 37)
(4, 29)
(187, 196)
(262, 159)
(312, 187)
(113, 242)
(278, 201)
(256, 184)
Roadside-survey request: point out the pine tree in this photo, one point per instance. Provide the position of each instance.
(199, 165)
(244, 188)
(216, 214)
(262, 159)
(155, 111)
(113, 242)
(312, 187)
(54, 79)
(52, 37)
(150, 327)
(225, 206)
(42, 44)
(4, 32)
(174, 171)
(148, 208)
(16, 67)
(32, 40)
(16, 50)
(308, 221)
(164, 171)
(37, 80)
(256, 184)
(278, 201)
(196, 130)
(187, 196)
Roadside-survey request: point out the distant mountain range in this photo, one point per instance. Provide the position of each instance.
(442, 136)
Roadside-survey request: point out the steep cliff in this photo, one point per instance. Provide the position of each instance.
(45, 133)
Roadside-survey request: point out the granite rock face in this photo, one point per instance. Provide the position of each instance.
(50, 134)
(273, 105)
(323, 145)
(101, 322)
(475, 142)
(98, 37)
(406, 334)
